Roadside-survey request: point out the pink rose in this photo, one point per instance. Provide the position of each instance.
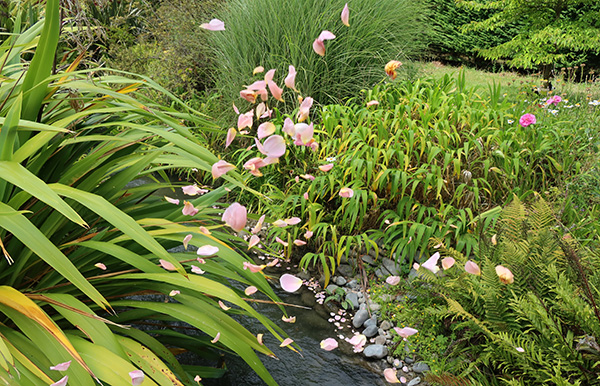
(527, 119)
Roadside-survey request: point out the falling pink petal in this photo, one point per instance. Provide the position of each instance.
(249, 95)
(288, 127)
(235, 108)
(304, 109)
(448, 262)
(326, 35)
(286, 342)
(254, 164)
(192, 190)
(259, 224)
(137, 377)
(472, 268)
(231, 133)
(325, 168)
(221, 167)
(269, 76)
(291, 319)
(505, 275)
(235, 216)
(186, 241)
(258, 70)
(390, 376)
(216, 339)
(290, 283)
(308, 177)
(101, 266)
(188, 209)
(197, 270)
(250, 290)
(393, 280)
(305, 195)
(276, 91)
(265, 129)
(207, 250)
(319, 47)
(346, 192)
(253, 267)
(308, 234)
(292, 220)
(254, 240)
(273, 263)
(61, 366)
(329, 344)
(372, 103)
(223, 306)
(167, 265)
(213, 25)
(431, 263)
(290, 79)
(259, 338)
(244, 120)
(204, 230)
(405, 332)
(345, 15)
(303, 134)
(299, 242)
(274, 146)
(61, 382)
(267, 114)
(172, 200)
(200, 260)
(280, 223)
(174, 293)
(280, 241)
(297, 179)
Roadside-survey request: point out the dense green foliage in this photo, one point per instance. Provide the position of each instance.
(276, 34)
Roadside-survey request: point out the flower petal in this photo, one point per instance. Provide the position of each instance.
(290, 283)
(188, 209)
(250, 290)
(197, 270)
(431, 263)
(253, 267)
(258, 70)
(137, 377)
(319, 47)
(393, 280)
(186, 240)
(372, 103)
(223, 306)
(326, 35)
(345, 15)
(216, 339)
(213, 25)
(292, 220)
(61, 366)
(291, 319)
(101, 266)
(448, 262)
(61, 382)
(221, 167)
(472, 268)
(174, 293)
(276, 91)
(193, 190)
(259, 338)
(405, 332)
(390, 376)
(280, 223)
(290, 79)
(204, 230)
(299, 242)
(259, 224)
(254, 239)
(280, 241)
(308, 234)
(286, 342)
(265, 129)
(207, 250)
(304, 109)
(325, 168)
(329, 344)
(167, 265)
(346, 192)
(172, 200)
(231, 133)
(235, 216)
(505, 275)
(269, 76)
(274, 146)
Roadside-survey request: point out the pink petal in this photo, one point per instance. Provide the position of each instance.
(253, 267)
(188, 209)
(216, 339)
(197, 270)
(280, 241)
(290, 79)
(329, 344)
(274, 146)
(472, 268)
(61, 366)
(193, 190)
(345, 15)
(288, 127)
(358, 341)
(393, 280)
(221, 167)
(325, 168)
(308, 234)
(172, 200)
(372, 103)
(390, 376)
(416, 266)
(505, 275)
(326, 35)
(291, 319)
(204, 230)
(213, 25)
(448, 262)
(269, 76)
(235, 109)
(250, 290)
(174, 293)
(186, 241)
(235, 216)
(299, 242)
(223, 306)
(286, 342)
(276, 91)
(303, 134)
(137, 377)
(258, 70)
(244, 120)
(260, 110)
(258, 85)
(304, 109)
(61, 382)
(346, 192)
(305, 195)
(259, 338)
(292, 220)
(308, 177)
(265, 129)
(259, 224)
(200, 260)
(167, 265)
(273, 263)
(520, 349)
(405, 332)
(101, 266)
(253, 241)
(249, 95)
(431, 263)
(280, 223)
(290, 283)
(207, 250)
(231, 133)
(255, 163)
(319, 47)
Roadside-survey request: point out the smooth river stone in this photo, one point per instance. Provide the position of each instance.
(370, 331)
(377, 351)
(359, 318)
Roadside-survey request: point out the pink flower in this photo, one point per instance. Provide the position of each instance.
(235, 216)
(345, 15)
(505, 275)
(303, 134)
(188, 209)
(329, 344)
(214, 25)
(527, 119)
(472, 268)
(221, 167)
(346, 192)
(319, 43)
(555, 100)
(290, 283)
(137, 377)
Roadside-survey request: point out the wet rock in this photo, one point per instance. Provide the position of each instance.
(373, 253)
(374, 306)
(303, 275)
(352, 284)
(385, 325)
(361, 300)
(381, 340)
(377, 351)
(352, 298)
(331, 288)
(381, 274)
(420, 367)
(359, 318)
(392, 267)
(339, 280)
(414, 382)
(370, 331)
(409, 360)
(380, 331)
(367, 259)
(372, 321)
(344, 270)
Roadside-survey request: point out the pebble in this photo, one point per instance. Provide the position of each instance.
(414, 382)
(367, 259)
(359, 318)
(331, 288)
(420, 367)
(409, 360)
(352, 284)
(372, 321)
(339, 280)
(352, 298)
(374, 306)
(378, 351)
(370, 331)
(385, 325)
(381, 274)
(392, 267)
(344, 270)
(380, 340)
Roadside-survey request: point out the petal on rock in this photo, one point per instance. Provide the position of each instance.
(329, 344)
(290, 283)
